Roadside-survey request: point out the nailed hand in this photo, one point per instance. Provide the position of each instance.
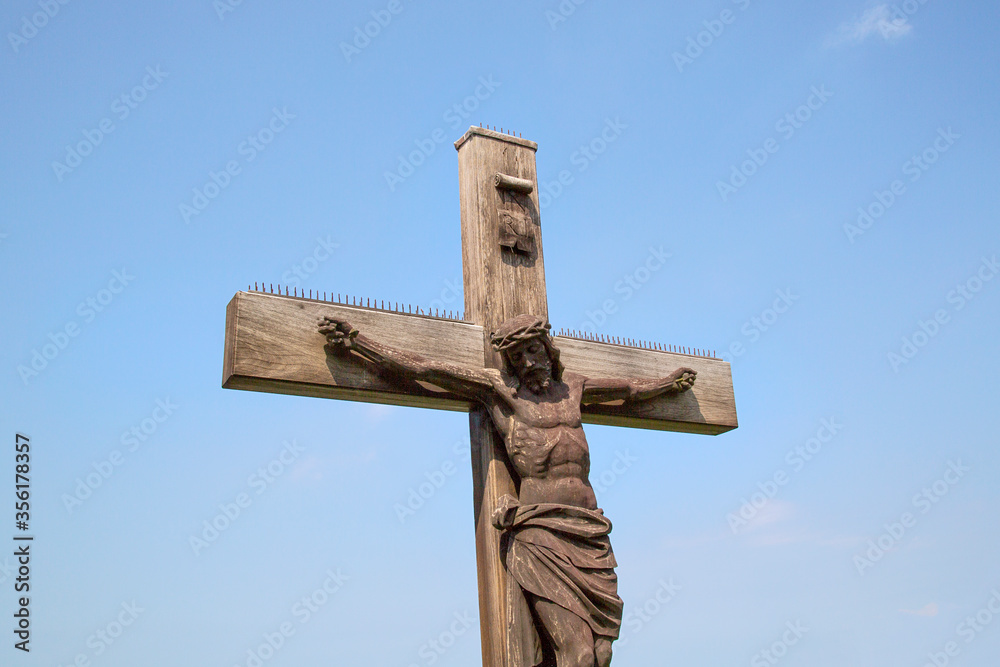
(682, 379)
(340, 335)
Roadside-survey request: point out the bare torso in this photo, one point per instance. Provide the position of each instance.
(540, 421)
(546, 444)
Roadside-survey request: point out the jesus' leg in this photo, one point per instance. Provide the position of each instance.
(570, 635)
(602, 650)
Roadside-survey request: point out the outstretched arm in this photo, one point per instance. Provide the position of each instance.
(343, 340)
(602, 390)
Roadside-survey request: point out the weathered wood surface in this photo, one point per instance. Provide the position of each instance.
(492, 478)
(708, 408)
(500, 283)
(272, 345)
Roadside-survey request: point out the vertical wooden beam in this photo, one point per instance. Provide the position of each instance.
(491, 479)
(500, 282)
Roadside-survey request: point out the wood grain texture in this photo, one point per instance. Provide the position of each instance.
(492, 478)
(499, 284)
(272, 345)
(709, 407)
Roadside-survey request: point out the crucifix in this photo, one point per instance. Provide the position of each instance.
(547, 588)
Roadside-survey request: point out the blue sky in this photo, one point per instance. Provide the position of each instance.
(835, 161)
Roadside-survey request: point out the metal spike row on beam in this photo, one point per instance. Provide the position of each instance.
(494, 128)
(396, 307)
(357, 302)
(628, 342)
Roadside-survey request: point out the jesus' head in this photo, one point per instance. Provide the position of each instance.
(528, 352)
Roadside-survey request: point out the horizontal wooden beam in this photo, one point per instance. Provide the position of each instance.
(272, 345)
(709, 407)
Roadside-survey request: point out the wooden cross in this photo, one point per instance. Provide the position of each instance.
(272, 345)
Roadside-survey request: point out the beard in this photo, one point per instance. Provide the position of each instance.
(539, 381)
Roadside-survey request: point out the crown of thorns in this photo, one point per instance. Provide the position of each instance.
(518, 329)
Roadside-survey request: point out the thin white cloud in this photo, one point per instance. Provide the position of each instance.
(308, 468)
(878, 21)
(694, 541)
(376, 413)
(318, 468)
(930, 609)
(773, 511)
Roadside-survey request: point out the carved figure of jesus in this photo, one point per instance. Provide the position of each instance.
(559, 552)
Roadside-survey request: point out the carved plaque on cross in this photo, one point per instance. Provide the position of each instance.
(517, 222)
(515, 231)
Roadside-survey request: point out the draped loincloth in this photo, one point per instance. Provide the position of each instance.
(562, 554)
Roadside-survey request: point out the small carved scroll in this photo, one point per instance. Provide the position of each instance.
(521, 186)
